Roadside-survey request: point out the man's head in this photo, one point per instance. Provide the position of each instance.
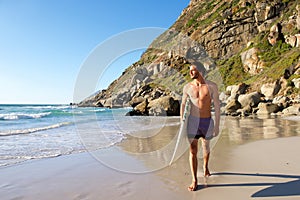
(197, 69)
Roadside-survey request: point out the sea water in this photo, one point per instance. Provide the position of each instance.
(29, 132)
(41, 131)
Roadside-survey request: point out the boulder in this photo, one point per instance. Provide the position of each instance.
(142, 107)
(296, 82)
(267, 108)
(292, 110)
(269, 90)
(244, 111)
(275, 34)
(260, 14)
(265, 26)
(157, 111)
(280, 100)
(168, 103)
(223, 97)
(251, 99)
(134, 113)
(232, 106)
(266, 10)
(251, 62)
(296, 99)
(291, 40)
(233, 90)
(136, 101)
(156, 94)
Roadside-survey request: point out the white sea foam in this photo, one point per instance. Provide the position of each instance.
(48, 107)
(10, 160)
(99, 110)
(115, 138)
(16, 116)
(32, 130)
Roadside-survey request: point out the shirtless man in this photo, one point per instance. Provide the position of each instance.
(201, 93)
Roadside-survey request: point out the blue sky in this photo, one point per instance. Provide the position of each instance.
(43, 43)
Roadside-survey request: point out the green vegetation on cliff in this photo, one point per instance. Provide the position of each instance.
(277, 58)
(228, 33)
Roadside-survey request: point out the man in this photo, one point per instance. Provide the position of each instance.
(201, 93)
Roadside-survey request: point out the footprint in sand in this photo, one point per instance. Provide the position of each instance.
(125, 188)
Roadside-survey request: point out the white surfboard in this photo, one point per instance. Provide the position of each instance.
(182, 142)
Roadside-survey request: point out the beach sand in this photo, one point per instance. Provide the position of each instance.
(263, 169)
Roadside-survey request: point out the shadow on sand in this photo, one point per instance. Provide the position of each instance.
(290, 188)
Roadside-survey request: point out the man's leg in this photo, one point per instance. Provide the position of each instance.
(206, 152)
(193, 164)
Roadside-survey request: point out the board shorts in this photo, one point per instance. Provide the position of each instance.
(200, 127)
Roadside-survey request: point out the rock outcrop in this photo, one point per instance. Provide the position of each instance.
(247, 41)
(251, 62)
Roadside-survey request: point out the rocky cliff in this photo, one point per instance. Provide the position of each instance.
(249, 47)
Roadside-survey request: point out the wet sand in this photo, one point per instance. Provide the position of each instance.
(253, 158)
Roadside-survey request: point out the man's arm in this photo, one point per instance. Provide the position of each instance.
(183, 101)
(216, 102)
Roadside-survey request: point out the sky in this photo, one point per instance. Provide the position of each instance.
(45, 43)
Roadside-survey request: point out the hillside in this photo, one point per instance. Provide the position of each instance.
(250, 45)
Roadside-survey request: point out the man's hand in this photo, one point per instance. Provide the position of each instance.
(216, 131)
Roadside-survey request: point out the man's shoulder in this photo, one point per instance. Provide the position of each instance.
(186, 85)
(211, 83)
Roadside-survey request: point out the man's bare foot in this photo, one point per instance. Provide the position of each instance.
(193, 186)
(206, 172)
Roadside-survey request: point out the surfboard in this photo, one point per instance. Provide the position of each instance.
(182, 142)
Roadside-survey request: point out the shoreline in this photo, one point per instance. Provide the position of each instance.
(253, 168)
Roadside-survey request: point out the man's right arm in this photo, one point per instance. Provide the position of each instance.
(183, 101)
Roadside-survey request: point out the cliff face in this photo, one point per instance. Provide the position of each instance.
(238, 41)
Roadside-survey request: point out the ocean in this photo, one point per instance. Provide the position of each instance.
(42, 131)
(30, 132)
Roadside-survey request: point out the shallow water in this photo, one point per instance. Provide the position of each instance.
(156, 152)
(243, 130)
